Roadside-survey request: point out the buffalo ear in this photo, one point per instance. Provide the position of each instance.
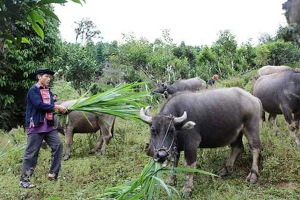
(188, 125)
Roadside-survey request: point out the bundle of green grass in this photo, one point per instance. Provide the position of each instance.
(122, 101)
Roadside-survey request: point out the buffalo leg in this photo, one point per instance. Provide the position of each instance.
(106, 128)
(252, 134)
(293, 128)
(237, 148)
(263, 116)
(69, 141)
(272, 120)
(293, 125)
(189, 185)
(190, 162)
(173, 178)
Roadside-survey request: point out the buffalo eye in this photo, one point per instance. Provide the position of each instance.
(153, 131)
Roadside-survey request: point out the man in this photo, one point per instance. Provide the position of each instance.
(212, 80)
(39, 126)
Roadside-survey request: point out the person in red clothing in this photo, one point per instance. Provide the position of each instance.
(39, 125)
(212, 81)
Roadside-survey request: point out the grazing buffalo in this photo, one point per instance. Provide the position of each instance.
(192, 84)
(280, 94)
(77, 123)
(270, 69)
(207, 119)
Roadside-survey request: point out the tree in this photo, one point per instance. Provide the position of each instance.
(292, 14)
(23, 61)
(28, 40)
(14, 12)
(78, 65)
(225, 49)
(86, 31)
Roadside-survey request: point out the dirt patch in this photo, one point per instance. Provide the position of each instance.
(285, 185)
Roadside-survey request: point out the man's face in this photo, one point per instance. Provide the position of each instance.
(44, 79)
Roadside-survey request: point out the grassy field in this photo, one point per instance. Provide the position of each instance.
(86, 176)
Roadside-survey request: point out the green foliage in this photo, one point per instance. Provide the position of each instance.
(77, 66)
(22, 11)
(234, 82)
(282, 53)
(64, 90)
(122, 101)
(262, 55)
(149, 183)
(22, 51)
(19, 77)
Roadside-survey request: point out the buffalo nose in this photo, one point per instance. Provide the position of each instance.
(160, 156)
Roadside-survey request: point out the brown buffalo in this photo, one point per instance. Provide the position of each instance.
(77, 123)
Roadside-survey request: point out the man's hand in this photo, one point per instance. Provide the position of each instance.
(61, 108)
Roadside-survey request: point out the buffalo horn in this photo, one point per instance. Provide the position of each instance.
(144, 116)
(178, 120)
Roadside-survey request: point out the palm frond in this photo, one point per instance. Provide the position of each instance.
(122, 101)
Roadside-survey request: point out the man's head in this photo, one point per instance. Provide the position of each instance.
(44, 75)
(215, 77)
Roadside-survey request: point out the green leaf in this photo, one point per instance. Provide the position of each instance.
(179, 169)
(49, 13)
(36, 17)
(24, 40)
(38, 30)
(44, 2)
(77, 1)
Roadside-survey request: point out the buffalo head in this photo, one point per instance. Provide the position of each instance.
(163, 133)
(160, 89)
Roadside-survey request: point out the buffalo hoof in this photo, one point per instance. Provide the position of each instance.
(99, 153)
(66, 158)
(172, 180)
(252, 177)
(187, 194)
(224, 172)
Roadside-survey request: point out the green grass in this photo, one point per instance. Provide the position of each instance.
(86, 176)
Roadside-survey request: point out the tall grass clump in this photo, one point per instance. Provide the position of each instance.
(149, 184)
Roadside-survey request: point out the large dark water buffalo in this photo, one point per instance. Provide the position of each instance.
(77, 123)
(266, 70)
(192, 84)
(206, 119)
(280, 94)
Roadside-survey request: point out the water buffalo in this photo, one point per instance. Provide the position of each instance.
(77, 123)
(266, 70)
(206, 119)
(280, 94)
(192, 84)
